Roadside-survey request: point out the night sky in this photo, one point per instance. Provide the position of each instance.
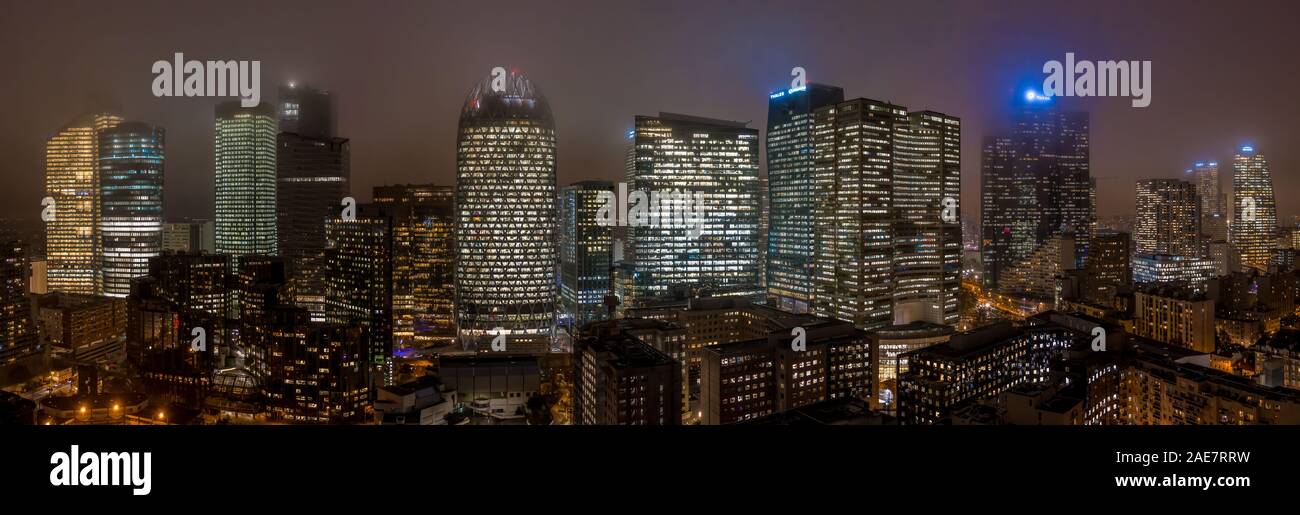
(1224, 74)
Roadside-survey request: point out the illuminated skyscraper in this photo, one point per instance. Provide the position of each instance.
(927, 232)
(1035, 183)
(131, 159)
(245, 180)
(1254, 219)
(506, 209)
(1168, 218)
(72, 239)
(585, 251)
(424, 252)
(718, 160)
(853, 218)
(790, 192)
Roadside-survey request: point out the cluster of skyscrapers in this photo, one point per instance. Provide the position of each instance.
(677, 294)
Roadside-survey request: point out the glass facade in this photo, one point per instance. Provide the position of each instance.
(245, 180)
(1254, 220)
(585, 252)
(673, 152)
(790, 193)
(506, 209)
(131, 162)
(72, 238)
(1035, 184)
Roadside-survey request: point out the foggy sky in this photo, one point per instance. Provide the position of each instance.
(1224, 74)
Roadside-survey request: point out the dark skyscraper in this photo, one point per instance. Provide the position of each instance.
(131, 162)
(506, 209)
(790, 192)
(313, 178)
(1035, 184)
(306, 111)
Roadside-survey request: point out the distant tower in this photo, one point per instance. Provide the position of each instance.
(1254, 219)
(1168, 218)
(1035, 184)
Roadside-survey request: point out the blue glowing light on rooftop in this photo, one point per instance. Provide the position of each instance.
(796, 90)
(1034, 96)
(778, 94)
(1200, 164)
(1247, 149)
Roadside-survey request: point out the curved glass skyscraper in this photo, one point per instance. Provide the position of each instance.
(1254, 220)
(505, 219)
(131, 188)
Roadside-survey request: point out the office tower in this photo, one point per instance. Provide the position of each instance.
(1175, 316)
(191, 236)
(72, 239)
(790, 192)
(1034, 184)
(424, 253)
(159, 338)
(313, 177)
(192, 281)
(18, 336)
(927, 230)
(505, 226)
(306, 111)
(131, 159)
(1109, 266)
(714, 249)
(315, 372)
(1254, 218)
(358, 275)
(1168, 218)
(585, 251)
(853, 217)
(1213, 218)
(245, 180)
(621, 380)
(746, 380)
(1190, 271)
